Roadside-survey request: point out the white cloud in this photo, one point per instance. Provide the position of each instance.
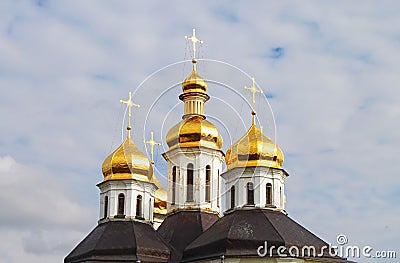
(38, 213)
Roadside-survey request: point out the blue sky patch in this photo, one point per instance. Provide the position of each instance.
(41, 3)
(277, 52)
(104, 77)
(269, 95)
(313, 27)
(227, 14)
(22, 141)
(367, 103)
(327, 150)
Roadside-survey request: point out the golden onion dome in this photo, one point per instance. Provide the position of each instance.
(254, 149)
(194, 131)
(194, 83)
(127, 162)
(160, 198)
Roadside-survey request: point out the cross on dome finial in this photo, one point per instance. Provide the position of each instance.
(129, 104)
(194, 40)
(152, 143)
(253, 90)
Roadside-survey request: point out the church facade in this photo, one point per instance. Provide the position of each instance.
(140, 221)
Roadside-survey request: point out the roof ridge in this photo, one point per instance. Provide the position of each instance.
(276, 230)
(134, 237)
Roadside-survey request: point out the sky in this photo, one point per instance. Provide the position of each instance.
(329, 71)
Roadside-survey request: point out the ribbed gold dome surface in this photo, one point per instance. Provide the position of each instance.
(254, 149)
(194, 83)
(127, 162)
(194, 131)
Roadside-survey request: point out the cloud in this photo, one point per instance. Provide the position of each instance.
(39, 213)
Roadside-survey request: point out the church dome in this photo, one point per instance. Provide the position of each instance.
(194, 83)
(254, 149)
(194, 131)
(127, 162)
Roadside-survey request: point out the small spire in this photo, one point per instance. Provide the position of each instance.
(129, 104)
(253, 117)
(152, 143)
(253, 90)
(194, 40)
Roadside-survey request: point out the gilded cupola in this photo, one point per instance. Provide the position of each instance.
(194, 93)
(194, 131)
(127, 161)
(254, 149)
(194, 82)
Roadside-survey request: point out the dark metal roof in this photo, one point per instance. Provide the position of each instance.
(121, 241)
(241, 232)
(181, 228)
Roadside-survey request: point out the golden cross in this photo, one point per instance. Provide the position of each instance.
(194, 40)
(152, 143)
(129, 104)
(253, 90)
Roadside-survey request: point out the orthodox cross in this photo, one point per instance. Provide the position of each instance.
(129, 104)
(253, 90)
(194, 40)
(152, 143)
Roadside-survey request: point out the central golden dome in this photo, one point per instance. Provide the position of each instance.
(194, 131)
(254, 149)
(127, 162)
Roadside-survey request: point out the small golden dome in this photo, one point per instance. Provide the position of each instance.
(127, 162)
(194, 83)
(160, 198)
(194, 131)
(254, 149)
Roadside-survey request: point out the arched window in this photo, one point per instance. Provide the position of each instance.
(208, 188)
(139, 206)
(268, 194)
(173, 184)
(232, 197)
(189, 189)
(281, 196)
(121, 204)
(250, 194)
(105, 206)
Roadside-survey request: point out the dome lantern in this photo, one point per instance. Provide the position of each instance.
(194, 130)
(194, 87)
